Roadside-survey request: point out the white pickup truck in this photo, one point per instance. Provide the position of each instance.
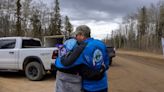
(27, 54)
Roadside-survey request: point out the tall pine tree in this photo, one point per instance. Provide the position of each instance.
(68, 27)
(18, 22)
(142, 26)
(160, 31)
(142, 21)
(55, 26)
(36, 24)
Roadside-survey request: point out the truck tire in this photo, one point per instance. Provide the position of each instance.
(34, 71)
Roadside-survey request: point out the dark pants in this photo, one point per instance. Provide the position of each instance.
(104, 90)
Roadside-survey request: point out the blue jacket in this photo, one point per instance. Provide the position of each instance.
(94, 49)
(94, 55)
(68, 46)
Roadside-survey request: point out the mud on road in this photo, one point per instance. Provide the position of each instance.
(129, 73)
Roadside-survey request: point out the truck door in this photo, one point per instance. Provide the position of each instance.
(8, 54)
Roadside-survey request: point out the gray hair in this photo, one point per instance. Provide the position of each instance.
(83, 30)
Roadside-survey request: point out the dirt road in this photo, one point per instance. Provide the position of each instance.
(136, 74)
(17, 82)
(127, 74)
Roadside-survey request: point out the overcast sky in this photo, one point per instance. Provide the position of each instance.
(101, 16)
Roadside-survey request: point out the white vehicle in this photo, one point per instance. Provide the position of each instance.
(27, 54)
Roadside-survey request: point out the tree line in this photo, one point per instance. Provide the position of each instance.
(141, 30)
(31, 18)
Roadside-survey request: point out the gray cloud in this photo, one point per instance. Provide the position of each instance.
(106, 10)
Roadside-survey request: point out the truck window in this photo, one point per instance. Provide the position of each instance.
(7, 44)
(30, 43)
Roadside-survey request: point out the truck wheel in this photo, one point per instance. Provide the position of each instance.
(34, 71)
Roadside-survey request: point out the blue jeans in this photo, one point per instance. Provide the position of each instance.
(104, 90)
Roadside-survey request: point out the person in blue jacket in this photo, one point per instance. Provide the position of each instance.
(91, 62)
(67, 82)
